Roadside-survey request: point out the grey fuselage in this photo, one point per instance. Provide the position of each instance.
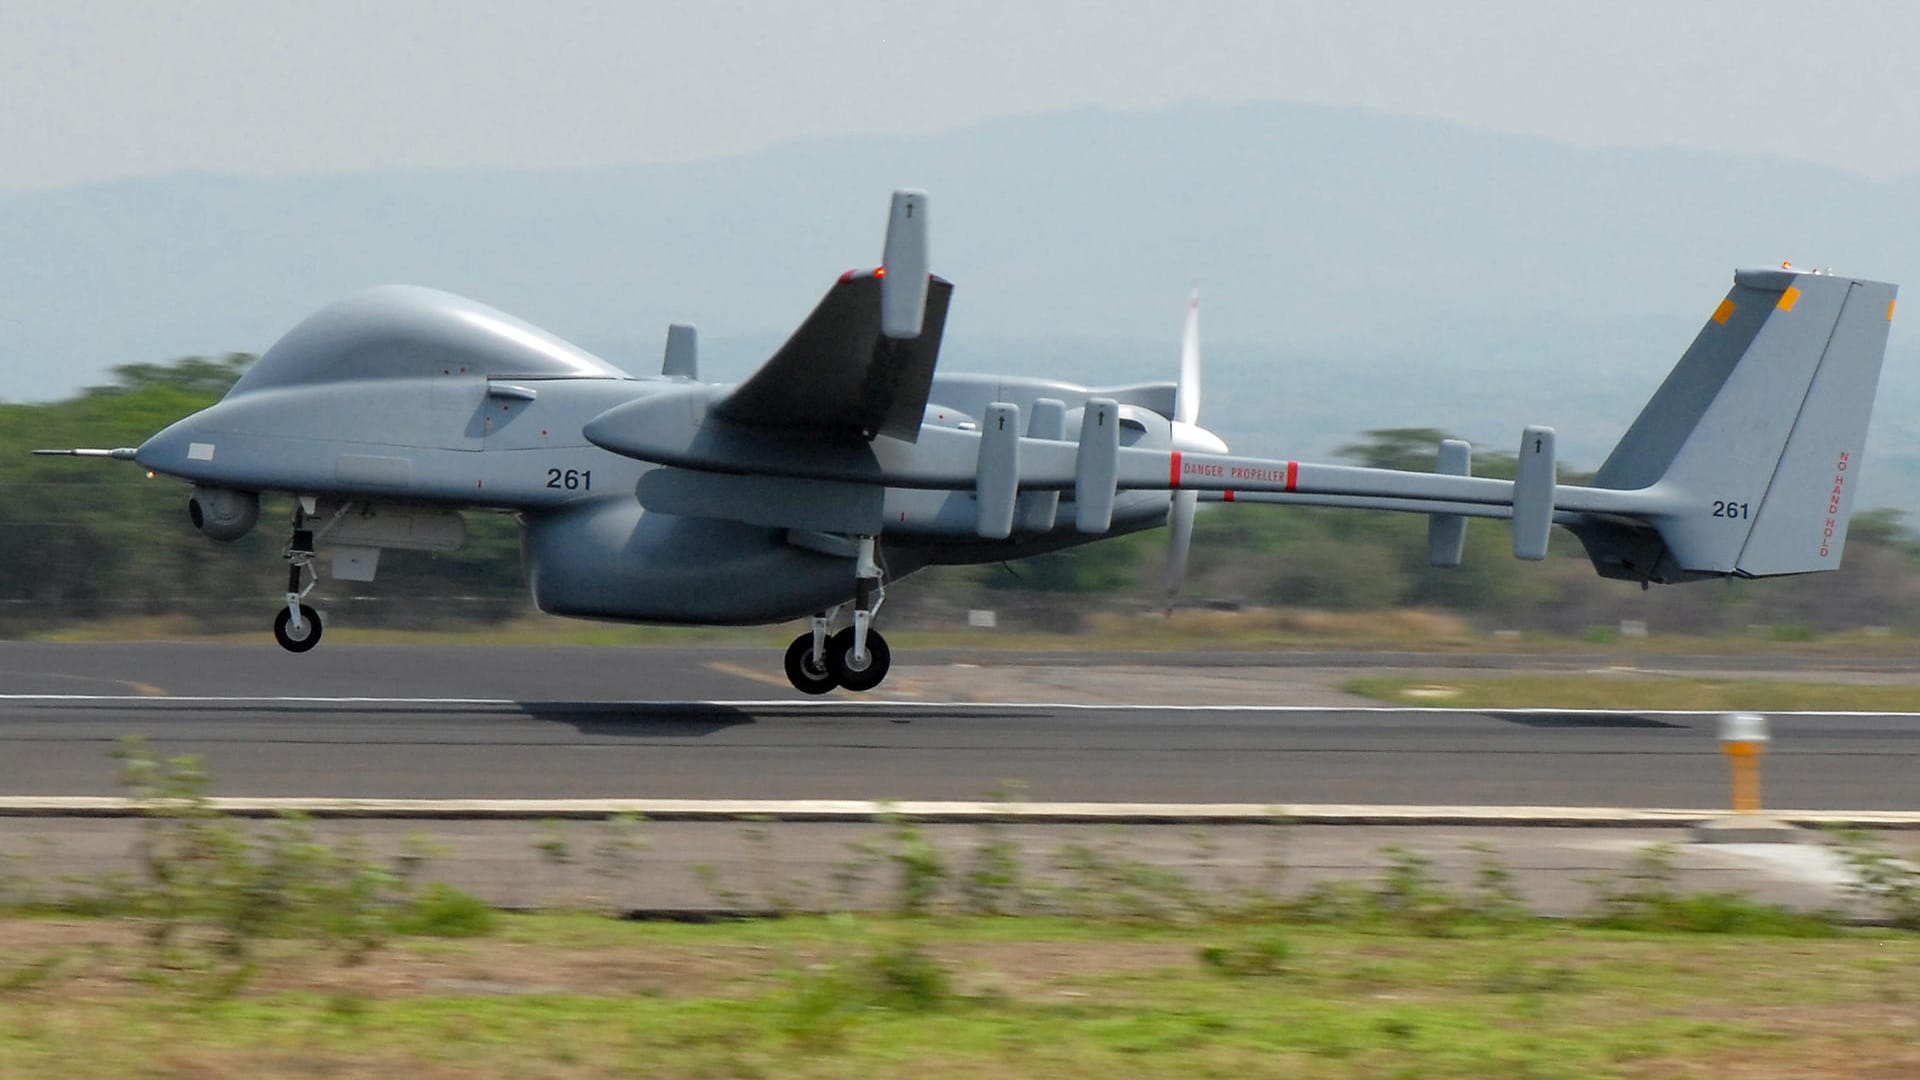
(404, 396)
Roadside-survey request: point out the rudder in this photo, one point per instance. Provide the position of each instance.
(1802, 525)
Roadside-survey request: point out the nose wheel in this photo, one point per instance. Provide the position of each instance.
(297, 637)
(297, 627)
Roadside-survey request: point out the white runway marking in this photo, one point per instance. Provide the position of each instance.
(964, 811)
(841, 704)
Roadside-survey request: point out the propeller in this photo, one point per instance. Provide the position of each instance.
(1186, 412)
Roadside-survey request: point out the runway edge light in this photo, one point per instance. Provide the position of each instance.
(1743, 738)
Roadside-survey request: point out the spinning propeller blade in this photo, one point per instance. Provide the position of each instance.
(1186, 410)
(1186, 399)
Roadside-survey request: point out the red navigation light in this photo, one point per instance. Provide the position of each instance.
(879, 271)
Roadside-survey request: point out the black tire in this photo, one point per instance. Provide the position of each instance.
(839, 660)
(801, 672)
(309, 618)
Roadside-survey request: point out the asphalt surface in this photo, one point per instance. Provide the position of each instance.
(576, 723)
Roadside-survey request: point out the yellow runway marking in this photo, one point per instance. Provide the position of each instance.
(725, 668)
(140, 688)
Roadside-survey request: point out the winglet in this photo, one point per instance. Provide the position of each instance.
(682, 359)
(905, 263)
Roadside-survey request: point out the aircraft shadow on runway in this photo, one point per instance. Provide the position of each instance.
(639, 720)
(695, 719)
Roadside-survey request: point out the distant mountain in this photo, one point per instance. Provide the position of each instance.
(1360, 269)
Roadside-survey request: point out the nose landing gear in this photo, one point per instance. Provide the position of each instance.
(297, 627)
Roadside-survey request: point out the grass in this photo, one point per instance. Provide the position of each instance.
(1628, 690)
(566, 996)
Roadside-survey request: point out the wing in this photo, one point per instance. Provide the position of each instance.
(839, 373)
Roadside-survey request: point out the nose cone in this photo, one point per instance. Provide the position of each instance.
(1194, 439)
(172, 450)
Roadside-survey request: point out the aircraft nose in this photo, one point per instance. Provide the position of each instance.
(1194, 439)
(167, 450)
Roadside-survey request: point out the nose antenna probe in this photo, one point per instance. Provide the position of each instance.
(118, 453)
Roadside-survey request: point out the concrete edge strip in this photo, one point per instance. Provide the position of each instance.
(831, 810)
(882, 704)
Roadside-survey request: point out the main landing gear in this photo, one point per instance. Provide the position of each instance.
(857, 657)
(297, 627)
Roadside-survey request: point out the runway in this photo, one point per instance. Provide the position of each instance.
(466, 722)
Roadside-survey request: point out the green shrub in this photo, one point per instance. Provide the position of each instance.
(826, 998)
(1884, 883)
(1645, 898)
(1264, 955)
(212, 888)
(901, 974)
(444, 911)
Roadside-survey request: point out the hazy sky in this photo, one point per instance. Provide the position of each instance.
(103, 89)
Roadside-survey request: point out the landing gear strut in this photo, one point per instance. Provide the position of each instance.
(297, 627)
(857, 657)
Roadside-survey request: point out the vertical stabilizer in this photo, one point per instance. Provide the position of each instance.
(1755, 437)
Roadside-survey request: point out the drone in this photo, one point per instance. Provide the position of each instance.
(847, 461)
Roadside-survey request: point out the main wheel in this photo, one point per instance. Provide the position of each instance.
(867, 675)
(805, 675)
(309, 635)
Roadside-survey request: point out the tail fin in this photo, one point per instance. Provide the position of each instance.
(1755, 438)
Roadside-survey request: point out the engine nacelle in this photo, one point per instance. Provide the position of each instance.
(613, 561)
(223, 514)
